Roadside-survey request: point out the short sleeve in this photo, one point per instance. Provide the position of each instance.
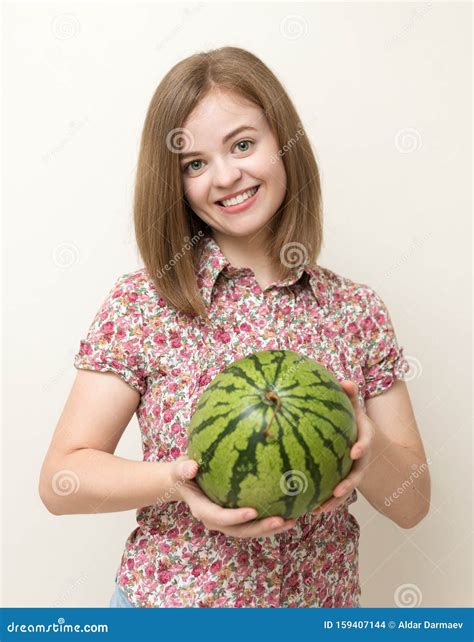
(385, 361)
(114, 341)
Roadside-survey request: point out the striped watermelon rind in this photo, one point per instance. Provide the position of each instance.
(272, 431)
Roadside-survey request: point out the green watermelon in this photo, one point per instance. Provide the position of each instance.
(272, 431)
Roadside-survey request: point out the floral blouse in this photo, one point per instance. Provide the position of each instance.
(171, 559)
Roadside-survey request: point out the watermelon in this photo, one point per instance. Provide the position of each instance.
(272, 431)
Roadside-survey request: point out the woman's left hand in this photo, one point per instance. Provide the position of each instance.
(360, 452)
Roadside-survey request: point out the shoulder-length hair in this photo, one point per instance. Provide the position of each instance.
(166, 228)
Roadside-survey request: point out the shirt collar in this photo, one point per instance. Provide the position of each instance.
(212, 262)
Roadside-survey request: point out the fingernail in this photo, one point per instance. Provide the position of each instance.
(250, 514)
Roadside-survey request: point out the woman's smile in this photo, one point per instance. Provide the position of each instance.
(246, 201)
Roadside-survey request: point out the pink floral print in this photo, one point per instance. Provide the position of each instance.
(171, 559)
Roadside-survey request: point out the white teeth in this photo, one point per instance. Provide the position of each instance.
(240, 198)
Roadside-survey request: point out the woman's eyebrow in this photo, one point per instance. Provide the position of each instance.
(224, 140)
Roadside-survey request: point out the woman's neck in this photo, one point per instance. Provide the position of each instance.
(249, 252)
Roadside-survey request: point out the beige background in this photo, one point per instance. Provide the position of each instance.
(384, 91)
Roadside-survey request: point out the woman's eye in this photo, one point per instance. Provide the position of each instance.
(192, 163)
(241, 142)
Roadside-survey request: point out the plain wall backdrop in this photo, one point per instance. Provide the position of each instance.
(384, 92)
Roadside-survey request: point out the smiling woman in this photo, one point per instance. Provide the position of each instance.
(212, 133)
(229, 225)
(244, 224)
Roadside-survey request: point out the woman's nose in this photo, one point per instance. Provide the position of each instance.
(225, 174)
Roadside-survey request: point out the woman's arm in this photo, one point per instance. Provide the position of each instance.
(92, 481)
(396, 480)
(80, 473)
(390, 468)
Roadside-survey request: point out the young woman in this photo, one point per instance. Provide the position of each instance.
(228, 220)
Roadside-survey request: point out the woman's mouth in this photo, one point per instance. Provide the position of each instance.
(239, 203)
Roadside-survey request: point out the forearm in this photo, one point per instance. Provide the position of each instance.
(93, 481)
(396, 482)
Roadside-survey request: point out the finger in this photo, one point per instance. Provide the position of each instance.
(187, 469)
(350, 483)
(346, 488)
(362, 445)
(359, 449)
(225, 517)
(322, 507)
(263, 528)
(332, 504)
(351, 390)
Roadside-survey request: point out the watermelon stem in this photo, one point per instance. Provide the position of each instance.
(272, 396)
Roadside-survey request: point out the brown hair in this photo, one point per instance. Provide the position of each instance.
(166, 228)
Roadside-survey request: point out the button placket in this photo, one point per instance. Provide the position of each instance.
(272, 297)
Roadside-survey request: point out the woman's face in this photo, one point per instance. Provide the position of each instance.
(246, 159)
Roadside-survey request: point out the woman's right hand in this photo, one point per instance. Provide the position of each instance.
(236, 522)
